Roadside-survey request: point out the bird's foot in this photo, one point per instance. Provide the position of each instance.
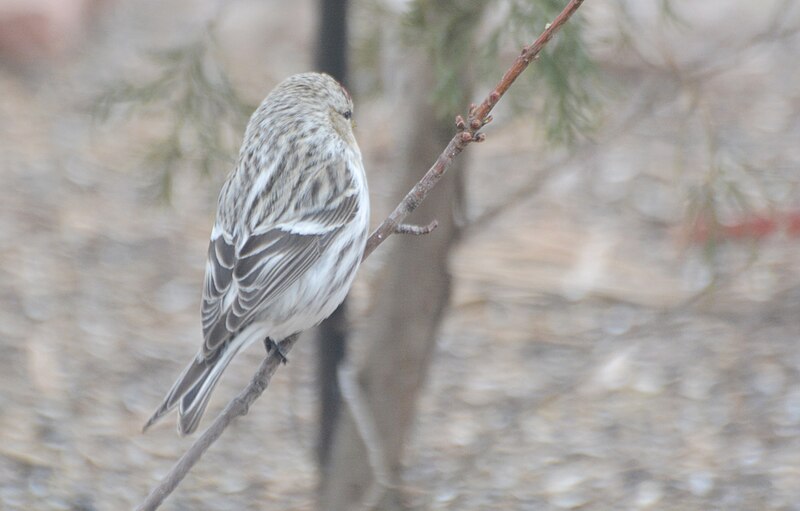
(270, 345)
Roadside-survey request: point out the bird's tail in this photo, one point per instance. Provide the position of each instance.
(193, 388)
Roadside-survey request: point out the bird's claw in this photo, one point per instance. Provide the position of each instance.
(270, 345)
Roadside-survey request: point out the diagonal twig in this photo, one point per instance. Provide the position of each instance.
(237, 407)
(467, 131)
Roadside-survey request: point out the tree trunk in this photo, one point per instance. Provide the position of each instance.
(402, 330)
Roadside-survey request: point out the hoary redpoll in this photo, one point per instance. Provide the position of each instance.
(289, 234)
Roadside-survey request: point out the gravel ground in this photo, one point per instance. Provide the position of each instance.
(592, 358)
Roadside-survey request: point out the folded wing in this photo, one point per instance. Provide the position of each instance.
(244, 276)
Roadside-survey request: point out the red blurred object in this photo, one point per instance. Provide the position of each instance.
(32, 30)
(793, 224)
(752, 227)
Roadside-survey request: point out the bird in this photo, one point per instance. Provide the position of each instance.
(289, 234)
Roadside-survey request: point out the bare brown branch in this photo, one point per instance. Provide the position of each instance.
(237, 407)
(466, 132)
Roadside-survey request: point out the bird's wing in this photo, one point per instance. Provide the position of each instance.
(240, 282)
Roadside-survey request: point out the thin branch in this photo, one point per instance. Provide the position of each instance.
(237, 407)
(467, 132)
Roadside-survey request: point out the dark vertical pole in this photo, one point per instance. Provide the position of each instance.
(332, 43)
(332, 347)
(331, 335)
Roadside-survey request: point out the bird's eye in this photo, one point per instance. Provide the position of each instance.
(347, 115)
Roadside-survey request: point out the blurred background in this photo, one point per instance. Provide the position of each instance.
(607, 318)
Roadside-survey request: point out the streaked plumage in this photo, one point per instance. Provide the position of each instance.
(289, 234)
